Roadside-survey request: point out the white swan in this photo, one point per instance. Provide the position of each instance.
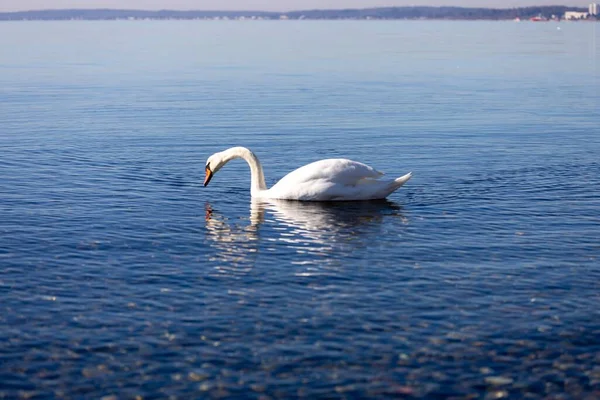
(325, 180)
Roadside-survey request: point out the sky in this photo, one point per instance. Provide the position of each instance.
(267, 5)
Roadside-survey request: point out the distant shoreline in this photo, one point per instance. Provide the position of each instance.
(541, 13)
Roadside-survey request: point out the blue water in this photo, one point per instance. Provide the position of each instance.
(121, 276)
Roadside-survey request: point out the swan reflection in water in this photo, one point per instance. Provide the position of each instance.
(301, 233)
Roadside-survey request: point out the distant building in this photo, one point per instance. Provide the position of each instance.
(574, 15)
(593, 9)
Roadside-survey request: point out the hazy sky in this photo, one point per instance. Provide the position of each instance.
(266, 5)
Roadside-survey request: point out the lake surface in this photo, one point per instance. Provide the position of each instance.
(121, 276)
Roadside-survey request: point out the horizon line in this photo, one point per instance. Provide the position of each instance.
(278, 12)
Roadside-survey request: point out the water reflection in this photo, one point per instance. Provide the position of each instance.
(314, 221)
(302, 233)
(235, 242)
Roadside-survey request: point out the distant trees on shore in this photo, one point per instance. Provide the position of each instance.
(436, 13)
(454, 13)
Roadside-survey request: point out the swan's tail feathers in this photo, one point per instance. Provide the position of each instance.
(402, 180)
(395, 184)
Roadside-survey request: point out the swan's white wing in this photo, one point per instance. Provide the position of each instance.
(340, 171)
(333, 179)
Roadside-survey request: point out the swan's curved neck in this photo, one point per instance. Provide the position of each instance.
(257, 175)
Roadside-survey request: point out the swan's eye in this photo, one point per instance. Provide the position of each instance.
(208, 166)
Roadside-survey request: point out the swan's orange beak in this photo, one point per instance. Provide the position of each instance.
(208, 177)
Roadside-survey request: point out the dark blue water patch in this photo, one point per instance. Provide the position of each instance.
(404, 324)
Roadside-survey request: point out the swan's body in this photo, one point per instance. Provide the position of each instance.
(325, 180)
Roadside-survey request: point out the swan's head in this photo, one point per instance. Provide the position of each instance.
(213, 164)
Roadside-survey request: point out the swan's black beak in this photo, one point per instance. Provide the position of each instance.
(208, 177)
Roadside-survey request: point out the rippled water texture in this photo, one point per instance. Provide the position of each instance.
(121, 275)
